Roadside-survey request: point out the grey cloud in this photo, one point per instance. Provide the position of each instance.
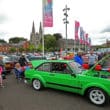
(3, 19)
(3, 33)
(107, 29)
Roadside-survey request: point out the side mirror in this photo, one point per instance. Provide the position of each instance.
(98, 67)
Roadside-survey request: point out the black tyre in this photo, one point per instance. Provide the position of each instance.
(37, 85)
(97, 96)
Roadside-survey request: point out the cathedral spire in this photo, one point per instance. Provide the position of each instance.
(33, 28)
(40, 28)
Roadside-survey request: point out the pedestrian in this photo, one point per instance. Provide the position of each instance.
(100, 56)
(1, 79)
(19, 71)
(78, 58)
(1, 71)
(93, 58)
(22, 60)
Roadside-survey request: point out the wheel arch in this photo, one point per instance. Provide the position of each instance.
(85, 90)
(41, 79)
(89, 89)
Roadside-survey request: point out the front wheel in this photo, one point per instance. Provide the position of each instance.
(97, 96)
(37, 85)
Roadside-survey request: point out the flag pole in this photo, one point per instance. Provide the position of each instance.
(74, 46)
(79, 46)
(42, 28)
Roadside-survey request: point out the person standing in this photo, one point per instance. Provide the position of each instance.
(78, 58)
(22, 60)
(93, 58)
(1, 71)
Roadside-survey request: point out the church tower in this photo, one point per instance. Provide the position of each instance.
(40, 33)
(34, 38)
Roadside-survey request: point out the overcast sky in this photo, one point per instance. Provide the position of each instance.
(16, 17)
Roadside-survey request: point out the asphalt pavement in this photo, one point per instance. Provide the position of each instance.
(19, 96)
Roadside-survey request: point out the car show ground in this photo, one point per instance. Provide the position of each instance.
(19, 96)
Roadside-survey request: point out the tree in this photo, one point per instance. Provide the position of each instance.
(39, 49)
(12, 49)
(32, 48)
(2, 41)
(16, 39)
(57, 36)
(50, 42)
(21, 49)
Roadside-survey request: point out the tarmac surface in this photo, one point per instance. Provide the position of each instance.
(19, 96)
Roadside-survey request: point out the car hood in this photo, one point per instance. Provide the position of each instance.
(100, 74)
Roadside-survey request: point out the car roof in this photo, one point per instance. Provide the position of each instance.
(38, 62)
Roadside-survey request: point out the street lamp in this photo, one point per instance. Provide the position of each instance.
(65, 21)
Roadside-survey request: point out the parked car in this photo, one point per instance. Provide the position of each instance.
(69, 76)
(30, 58)
(8, 64)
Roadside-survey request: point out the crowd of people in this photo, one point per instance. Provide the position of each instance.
(22, 63)
(19, 68)
(91, 58)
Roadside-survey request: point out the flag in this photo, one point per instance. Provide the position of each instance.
(47, 13)
(86, 37)
(89, 42)
(77, 26)
(81, 35)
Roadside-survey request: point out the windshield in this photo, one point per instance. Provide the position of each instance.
(105, 63)
(76, 67)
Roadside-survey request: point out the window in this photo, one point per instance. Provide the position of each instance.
(44, 67)
(61, 68)
(76, 67)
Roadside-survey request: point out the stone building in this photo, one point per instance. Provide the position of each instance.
(70, 44)
(35, 37)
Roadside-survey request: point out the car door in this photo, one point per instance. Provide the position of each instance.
(62, 80)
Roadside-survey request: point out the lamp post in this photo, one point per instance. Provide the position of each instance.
(66, 22)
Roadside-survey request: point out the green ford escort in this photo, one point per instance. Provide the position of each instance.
(68, 75)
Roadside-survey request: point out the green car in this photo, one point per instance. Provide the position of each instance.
(69, 76)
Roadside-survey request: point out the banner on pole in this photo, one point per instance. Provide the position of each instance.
(86, 35)
(47, 13)
(81, 35)
(77, 26)
(89, 42)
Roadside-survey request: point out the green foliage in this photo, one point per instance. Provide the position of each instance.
(50, 42)
(32, 48)
(57, 36)
(39, 49)
(2, 41)
(12, 49)
(16, 39)
(21, 49)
